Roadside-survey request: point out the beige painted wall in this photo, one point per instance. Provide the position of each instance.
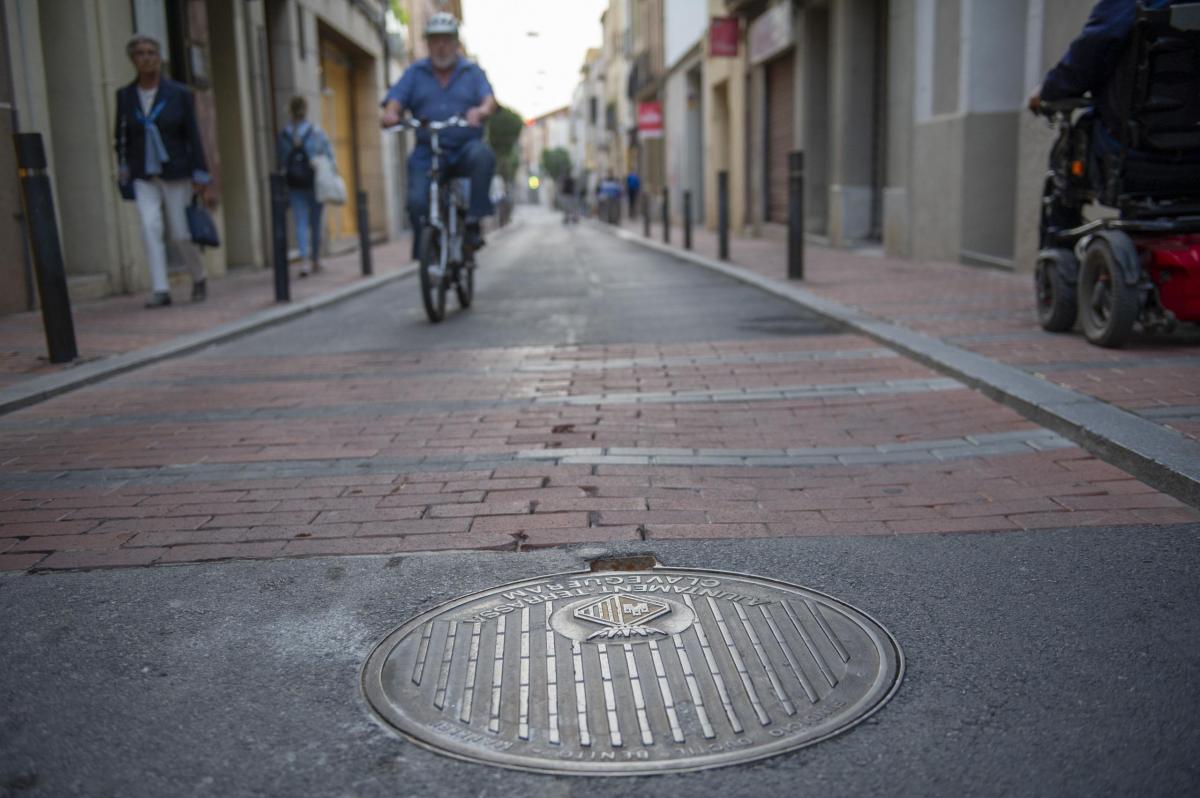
(725, 130)
(80, 102)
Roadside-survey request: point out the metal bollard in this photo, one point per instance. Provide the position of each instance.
(687, 220)
(795, 250)
(666, 213)
(364, 233)
(279, 203)
(45, 247)
(645, 216)
(723, 215)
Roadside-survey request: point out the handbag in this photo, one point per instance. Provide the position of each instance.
(329, 185)
(201, 225)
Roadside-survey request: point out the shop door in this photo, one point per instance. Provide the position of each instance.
(779, 136)
(337, 117)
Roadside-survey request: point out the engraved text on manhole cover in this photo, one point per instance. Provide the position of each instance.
(615, 673)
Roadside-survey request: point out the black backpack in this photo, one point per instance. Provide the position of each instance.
(297, 170)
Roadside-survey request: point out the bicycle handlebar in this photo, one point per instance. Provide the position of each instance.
(425, 124)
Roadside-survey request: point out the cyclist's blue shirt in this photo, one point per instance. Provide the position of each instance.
(419, 92)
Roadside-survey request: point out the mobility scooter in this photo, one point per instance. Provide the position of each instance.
(1141, 265)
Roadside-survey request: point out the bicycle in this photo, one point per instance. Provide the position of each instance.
(445, 257)
(570, 212)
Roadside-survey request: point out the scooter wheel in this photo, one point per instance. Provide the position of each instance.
(1108, 306)
(1057, 306)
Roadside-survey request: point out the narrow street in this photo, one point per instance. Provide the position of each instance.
(598, 399)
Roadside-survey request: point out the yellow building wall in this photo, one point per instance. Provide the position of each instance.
(725, 129)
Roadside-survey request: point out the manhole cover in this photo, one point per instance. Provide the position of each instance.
(606, 673)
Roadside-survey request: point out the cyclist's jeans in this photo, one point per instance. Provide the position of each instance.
(473, 159)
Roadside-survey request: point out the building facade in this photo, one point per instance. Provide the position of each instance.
(685, 24)
(243, 60)
(908, 113)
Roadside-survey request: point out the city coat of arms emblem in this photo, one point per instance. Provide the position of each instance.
(623, 616)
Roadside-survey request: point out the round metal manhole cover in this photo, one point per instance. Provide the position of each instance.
(619, 673)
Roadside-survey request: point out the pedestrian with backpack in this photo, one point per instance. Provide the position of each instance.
(299, 143)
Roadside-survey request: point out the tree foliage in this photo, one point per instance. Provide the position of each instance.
(556, 162)
(503, 130)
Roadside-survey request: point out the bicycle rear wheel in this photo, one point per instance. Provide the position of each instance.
(433, 279)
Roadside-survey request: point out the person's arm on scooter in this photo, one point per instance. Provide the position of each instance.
(1091, 57)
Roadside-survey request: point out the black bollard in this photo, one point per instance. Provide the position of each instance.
(279, 203)
(666, 212)
(364, 233)
(687, 220)
(48, 266)
(795, 252)
(723, 215)
(645, 215)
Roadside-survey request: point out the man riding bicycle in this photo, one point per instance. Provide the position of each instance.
(436, 88)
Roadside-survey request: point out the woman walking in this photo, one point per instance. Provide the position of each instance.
(161, 163)
(300, 142)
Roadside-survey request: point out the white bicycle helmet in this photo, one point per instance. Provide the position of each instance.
(442, 24)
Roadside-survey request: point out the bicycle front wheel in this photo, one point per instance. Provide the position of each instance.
(464, 284)
(433, 277)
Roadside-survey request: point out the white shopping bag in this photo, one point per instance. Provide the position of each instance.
(328, 184)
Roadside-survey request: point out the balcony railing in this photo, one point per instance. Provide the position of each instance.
(642, 74)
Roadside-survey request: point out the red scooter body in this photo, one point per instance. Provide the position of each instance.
(1173, 264)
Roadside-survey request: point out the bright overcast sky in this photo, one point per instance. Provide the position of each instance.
(532, 75)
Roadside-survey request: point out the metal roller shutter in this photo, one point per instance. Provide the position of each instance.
(779, 135)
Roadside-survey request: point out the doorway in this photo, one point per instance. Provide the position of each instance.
(337, 118)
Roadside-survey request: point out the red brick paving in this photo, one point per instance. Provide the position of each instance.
(987, 311)
(1037, 490)
(378, 414)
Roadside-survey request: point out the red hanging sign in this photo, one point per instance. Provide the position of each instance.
(723, 37)
(650, 119)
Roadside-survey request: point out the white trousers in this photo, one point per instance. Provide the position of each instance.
(151, 196)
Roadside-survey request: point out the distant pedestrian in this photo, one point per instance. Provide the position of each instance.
(162, 164)
(609, 194)
(299, 143)
(566, 199)
(633, 186)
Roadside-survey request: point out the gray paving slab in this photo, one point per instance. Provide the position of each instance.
(1057, 663)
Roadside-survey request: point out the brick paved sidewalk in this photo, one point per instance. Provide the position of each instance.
(989, 312)
(228, 456)
(119, 324)
(514, 448)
